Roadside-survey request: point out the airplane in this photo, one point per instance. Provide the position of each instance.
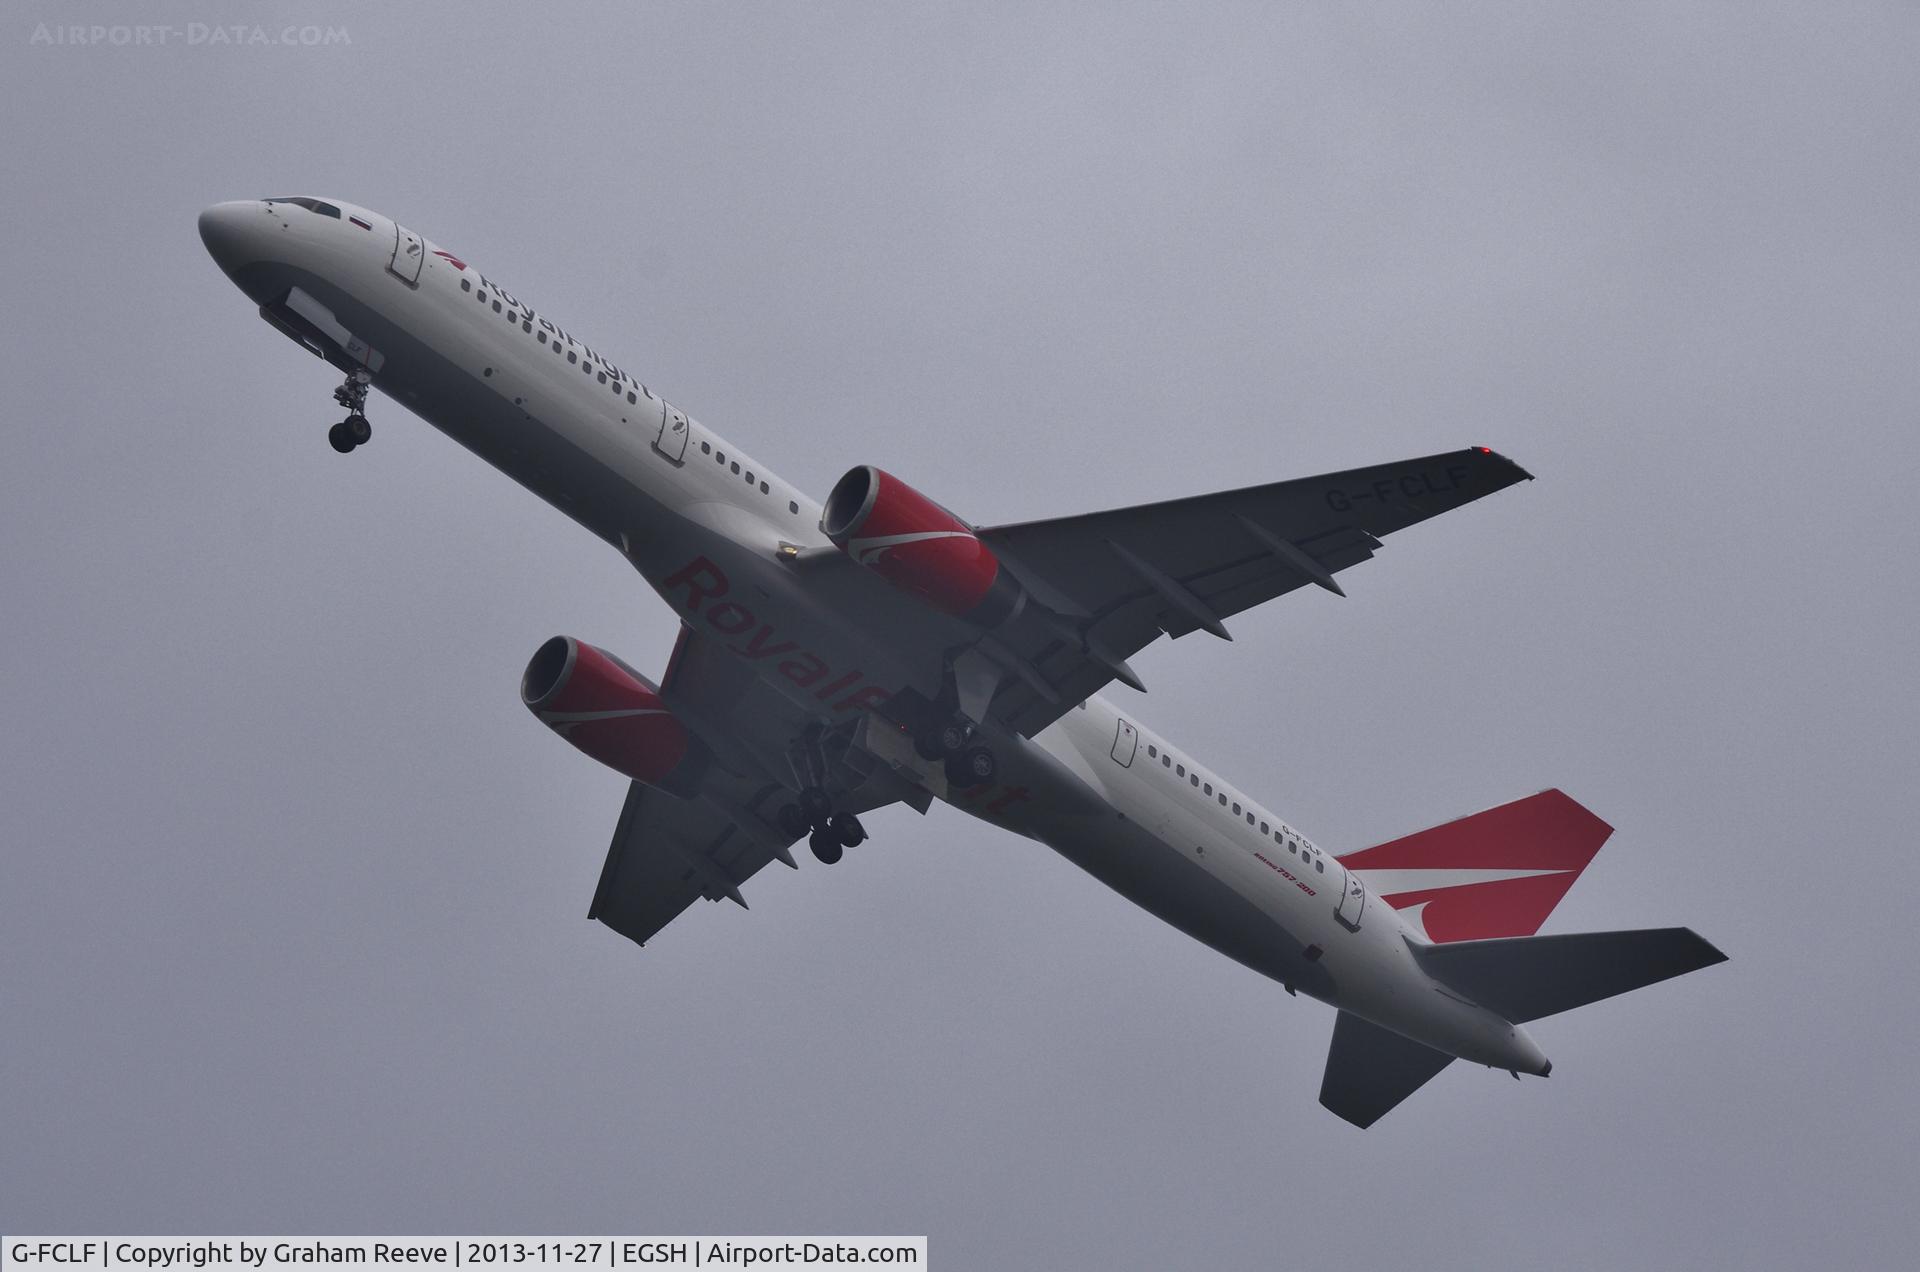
(879, 649)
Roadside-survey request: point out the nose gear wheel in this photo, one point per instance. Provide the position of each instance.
(354, 430)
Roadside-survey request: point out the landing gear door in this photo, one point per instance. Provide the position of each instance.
(408, 253)
(674, 431)
(1126, 739)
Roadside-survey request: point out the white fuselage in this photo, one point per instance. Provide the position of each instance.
(706, 524)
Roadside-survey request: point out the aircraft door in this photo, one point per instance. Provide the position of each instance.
(409, 251)
(1353, 900)
(674, 431)
(1126, 739)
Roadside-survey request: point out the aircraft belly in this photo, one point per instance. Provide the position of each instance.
(1040, 794)
(1140, 866)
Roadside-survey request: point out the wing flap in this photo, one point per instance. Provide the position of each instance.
(1123, 577)
(1194, 537)
(668, 853)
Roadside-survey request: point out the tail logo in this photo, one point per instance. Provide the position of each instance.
(1497, 873)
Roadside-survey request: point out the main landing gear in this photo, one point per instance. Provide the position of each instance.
(950, 741)
(354, 430)
(828, 833)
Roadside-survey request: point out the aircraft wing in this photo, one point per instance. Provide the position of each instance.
(1124, 577)
(668, 851)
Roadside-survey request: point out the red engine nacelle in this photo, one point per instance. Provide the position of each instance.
(608, 710)
(918, 546)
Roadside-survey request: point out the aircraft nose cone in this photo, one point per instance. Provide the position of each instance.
(226, 229)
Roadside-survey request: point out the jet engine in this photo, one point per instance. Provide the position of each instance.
(611, 712)
(918, 546)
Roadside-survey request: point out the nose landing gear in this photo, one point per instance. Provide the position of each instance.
(354, 430)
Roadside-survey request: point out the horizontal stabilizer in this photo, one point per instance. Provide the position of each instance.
(1370, 1069)
(1526, 977)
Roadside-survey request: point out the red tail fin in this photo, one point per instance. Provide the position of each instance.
(1497, 873)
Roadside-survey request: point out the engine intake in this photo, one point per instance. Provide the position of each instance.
(610, 711)
(918, 546)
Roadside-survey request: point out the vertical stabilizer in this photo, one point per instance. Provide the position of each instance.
(1495, 873)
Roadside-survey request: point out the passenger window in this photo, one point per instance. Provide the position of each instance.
(631, 399)
(466, 284)
(1209, 788)
(1181, 769)
(603, 377)
(1263, 828)
(572, 357)
(1152, 752)
(720, 457)
(764, 490)
(735, 466)
(1236, 810)
(1223, 799)
(1320, 865)
(481, 297)
(496, 306)
(706, 448)
(793, 506)
(749, 477)
(541, 336)
(1166, 761)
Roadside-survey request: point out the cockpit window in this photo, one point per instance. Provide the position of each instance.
(311, 205)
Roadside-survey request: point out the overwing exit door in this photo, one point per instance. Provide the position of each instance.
(672, 441)
(1352, 900)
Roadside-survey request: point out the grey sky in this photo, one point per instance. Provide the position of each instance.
(292, 929)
